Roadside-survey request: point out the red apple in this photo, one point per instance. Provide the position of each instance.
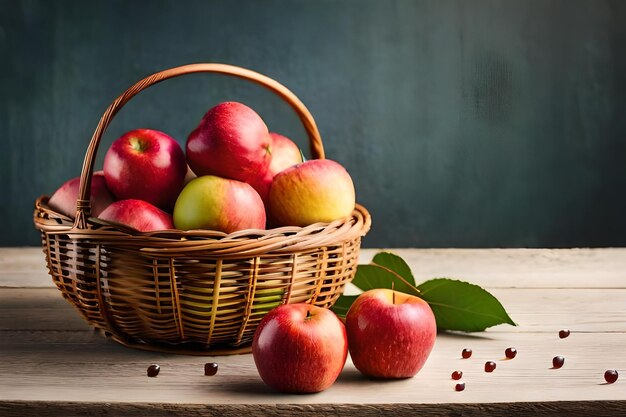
(216, 203)
(319, 190)
(64, 199)
(147, 165)
(300, 348)
(137, 214)
(390, 334)
(231, 141)
(285, 153)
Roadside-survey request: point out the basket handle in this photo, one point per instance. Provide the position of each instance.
(83, 205)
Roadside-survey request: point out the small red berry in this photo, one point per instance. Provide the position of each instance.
(510, 352)
(558, 362)
(563, 333)
(210, 368)
(466, 353)
(153, 370)
(490, 366)
(460, 386)
(610, 376)
(456, 375)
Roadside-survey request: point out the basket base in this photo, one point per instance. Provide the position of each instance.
(182, 351)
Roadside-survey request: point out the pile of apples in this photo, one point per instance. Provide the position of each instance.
(302, 348)
(234, 175)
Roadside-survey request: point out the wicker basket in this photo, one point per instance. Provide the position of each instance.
(198, 292)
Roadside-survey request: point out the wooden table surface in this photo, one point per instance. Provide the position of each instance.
(53, 363)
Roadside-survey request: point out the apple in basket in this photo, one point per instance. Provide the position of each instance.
(64, 199)
(300, 348)
(390, 334)
(319, 190)
(147, 165)
(216, 203)
(285, 153)
(137, 214)
(231, 141)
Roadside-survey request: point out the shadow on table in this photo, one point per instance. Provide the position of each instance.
(350, 376)
(465, 336)
(246, 387)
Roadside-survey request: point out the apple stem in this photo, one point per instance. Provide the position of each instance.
(393, 294)
(308, 315)
(136, 144)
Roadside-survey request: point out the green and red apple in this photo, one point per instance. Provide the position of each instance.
(216, 203)
(318, 190)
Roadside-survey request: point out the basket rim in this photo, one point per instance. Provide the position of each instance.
(243, 242)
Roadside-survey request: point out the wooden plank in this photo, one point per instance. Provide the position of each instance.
(23, 267)
(55, 364)
(522, 409)
(516, 268)
(58, 362)
(519, 268)
(536, 310)
(548, 310)
(106, 372)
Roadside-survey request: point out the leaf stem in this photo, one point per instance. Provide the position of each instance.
(399, 277)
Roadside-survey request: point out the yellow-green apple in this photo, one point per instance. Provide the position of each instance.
(64, 199)
(216, 203)
(285, 153)
(137, 214)
(318, 190)
(300, 348)
(390, 334)
(231, 141)
(147, 165)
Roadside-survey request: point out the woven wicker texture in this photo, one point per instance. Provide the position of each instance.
(197, 292)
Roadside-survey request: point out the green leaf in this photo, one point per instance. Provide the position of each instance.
(396, 264)
(459, 305)
(342, 305)
(376, 276)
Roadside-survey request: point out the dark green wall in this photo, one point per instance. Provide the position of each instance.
(464, 123)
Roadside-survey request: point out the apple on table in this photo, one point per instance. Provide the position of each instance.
(390, 333)
(300, 348)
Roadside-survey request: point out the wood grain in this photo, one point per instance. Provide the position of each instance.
(534, 310)
(513, 268)
(23, 267)
(64, 366)
(523, 409)
(55, 364)
(519, 268)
